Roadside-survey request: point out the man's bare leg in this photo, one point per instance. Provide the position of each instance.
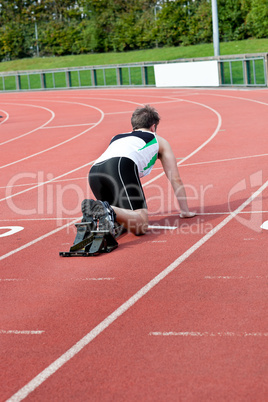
(135, 221)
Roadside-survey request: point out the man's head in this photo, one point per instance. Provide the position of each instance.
(145, 117)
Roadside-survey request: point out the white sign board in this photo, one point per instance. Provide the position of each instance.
(188, 74)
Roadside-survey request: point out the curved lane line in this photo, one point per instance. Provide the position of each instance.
(32, 131)
(61, 143)
(6, 118)
(145, 184)
(46, 182)
(198, 148)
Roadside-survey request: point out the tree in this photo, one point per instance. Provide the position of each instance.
(257, 19)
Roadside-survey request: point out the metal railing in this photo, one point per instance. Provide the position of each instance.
(236, 70)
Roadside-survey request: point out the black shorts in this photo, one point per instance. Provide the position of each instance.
(117, 181)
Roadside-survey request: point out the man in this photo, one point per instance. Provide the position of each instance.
(115, 176)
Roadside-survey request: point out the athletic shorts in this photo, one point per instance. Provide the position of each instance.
(117, 181)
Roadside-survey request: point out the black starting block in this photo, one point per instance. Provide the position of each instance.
(90, 241)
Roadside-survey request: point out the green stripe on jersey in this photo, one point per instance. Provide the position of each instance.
(154, 141)
(151, 163)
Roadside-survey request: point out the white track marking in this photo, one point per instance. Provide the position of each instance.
(10, 230)
(265, 225)
(56, 181)
(236, 277)
(37, 240)
(35, 129)
(238, 97)
(162, 227)
(75, 349)
(226, 213)
(38, 219)
(17, 332)
(200, 147)
(93, 279)
(46, 182)
(212, 334)
(63, 142)
(69, 125)
(150, 181)
(160, 168)
(164, 214)
(224, 160)
(6, 118)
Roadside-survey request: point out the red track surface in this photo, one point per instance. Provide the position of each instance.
(177, 315)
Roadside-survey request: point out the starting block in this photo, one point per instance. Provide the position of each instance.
(91, 241)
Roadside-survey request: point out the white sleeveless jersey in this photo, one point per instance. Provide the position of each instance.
(140, 146)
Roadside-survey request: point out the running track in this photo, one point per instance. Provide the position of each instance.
(178, 314)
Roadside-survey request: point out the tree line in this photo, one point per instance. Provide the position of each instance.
(61, 27)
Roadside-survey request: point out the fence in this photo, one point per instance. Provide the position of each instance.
(238, 70)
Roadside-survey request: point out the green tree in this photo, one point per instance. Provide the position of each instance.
(257, 19)
(232, 16)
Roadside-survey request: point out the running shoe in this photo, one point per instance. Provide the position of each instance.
(86, 208)
(102, 211)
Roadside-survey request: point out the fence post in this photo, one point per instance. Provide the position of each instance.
(119, 76)
(94, 77)
(246, 69)
(221, 72)
(266, 68)
(144, 75)
(43, 80)
(68, 79)
(18, 82)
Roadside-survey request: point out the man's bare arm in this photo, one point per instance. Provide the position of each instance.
(170, 167)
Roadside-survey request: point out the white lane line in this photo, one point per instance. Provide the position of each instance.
(236, 277)
(164, 214)
(200, 147)
(75, 349)
(238, 97)
(63, 142)
(227, 213)
(2, 257)
(93, 279)
(35, 129)
(150, 181)
(17, 332)
(35, 183)
(153, 179)
(225, 160)
(155, 168)
(69, 125)
(212, 334)
(162, 227)
(39, 219)
(46, 182)
(66, 280)
(157, 241)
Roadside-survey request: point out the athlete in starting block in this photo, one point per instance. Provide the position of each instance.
(115, 178)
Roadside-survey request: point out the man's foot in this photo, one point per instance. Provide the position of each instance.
(102, 211)
(87, 214)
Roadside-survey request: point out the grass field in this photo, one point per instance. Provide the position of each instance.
(157, 54)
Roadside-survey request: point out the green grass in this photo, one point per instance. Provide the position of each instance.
(151, 55)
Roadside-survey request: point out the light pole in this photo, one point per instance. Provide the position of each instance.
(215, 23)
(36, 38)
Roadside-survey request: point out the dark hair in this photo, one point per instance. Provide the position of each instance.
(145, 117)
